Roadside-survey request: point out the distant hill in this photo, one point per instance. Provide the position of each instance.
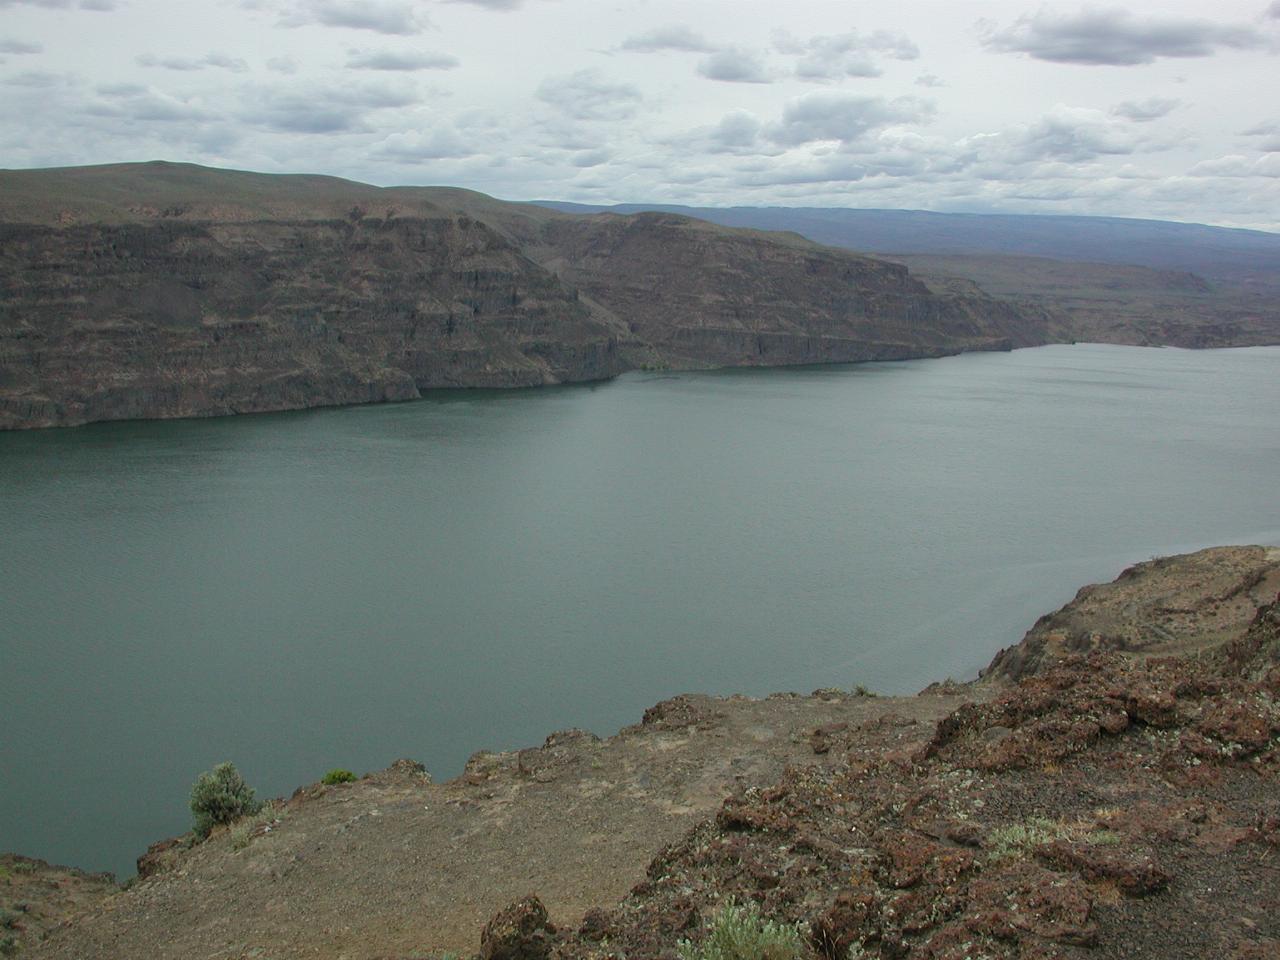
(1107, 279)
(1216, 253)
(169, 290)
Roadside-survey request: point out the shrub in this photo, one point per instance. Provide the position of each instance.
(740, 933)
(338, 775)
(220, 796)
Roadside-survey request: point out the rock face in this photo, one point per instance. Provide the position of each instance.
(168, 290)
(1163, 607)
(170, 319)
(696, 295)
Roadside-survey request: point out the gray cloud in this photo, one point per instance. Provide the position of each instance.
(929, 80)
(138, 104)
(589, 95)
(120, 89)
(218, 60)
(35, 78)
(845, 117)
(1270, 130)
(738, 130)
(734, 65)
(19, 47)
(1238, 166)
(400, 60)
(501, 5)
(670, 37)
(824, 59)
(1115, 37)
(1273, 11)
(324, 109)
(96, 5)
(380, 16)
(591, 158)
(1073, 136)
(1143, 111)
(282, 65)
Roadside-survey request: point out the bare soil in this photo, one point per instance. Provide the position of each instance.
(396, 865)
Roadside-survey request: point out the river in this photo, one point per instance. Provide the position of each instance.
(343, 587)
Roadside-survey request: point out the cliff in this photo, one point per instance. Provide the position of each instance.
(169, 290)
(1102, 804)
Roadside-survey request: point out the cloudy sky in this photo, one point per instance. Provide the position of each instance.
(1167, 110)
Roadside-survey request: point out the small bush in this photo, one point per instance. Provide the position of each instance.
(337, 775)
(220, 796)
(8, 946)
(740, 933)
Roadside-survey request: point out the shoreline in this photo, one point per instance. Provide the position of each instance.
(443, 392)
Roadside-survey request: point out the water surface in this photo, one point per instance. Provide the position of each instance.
(343, 587)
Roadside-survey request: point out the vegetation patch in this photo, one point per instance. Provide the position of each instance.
(1020, 839)
(338, 775)
(220, 796)
(738, 932)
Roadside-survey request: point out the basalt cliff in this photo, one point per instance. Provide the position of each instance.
(1107, 789)
(171, 290)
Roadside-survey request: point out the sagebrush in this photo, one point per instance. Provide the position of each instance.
(738, 932)
(220, 796)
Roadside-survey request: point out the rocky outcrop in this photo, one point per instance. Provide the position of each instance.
(1166, 606)
(168, 290)
(1119, 805)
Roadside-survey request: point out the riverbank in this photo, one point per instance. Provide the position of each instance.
(1118, 785)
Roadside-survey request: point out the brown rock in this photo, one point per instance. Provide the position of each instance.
(1134, 873)
(844, 923)
(518, 932)
(160, 856)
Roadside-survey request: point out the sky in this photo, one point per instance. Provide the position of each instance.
(1169, 111)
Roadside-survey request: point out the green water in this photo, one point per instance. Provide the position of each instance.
(344, 587)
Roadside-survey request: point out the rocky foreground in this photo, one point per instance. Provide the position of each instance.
(1109, 788)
